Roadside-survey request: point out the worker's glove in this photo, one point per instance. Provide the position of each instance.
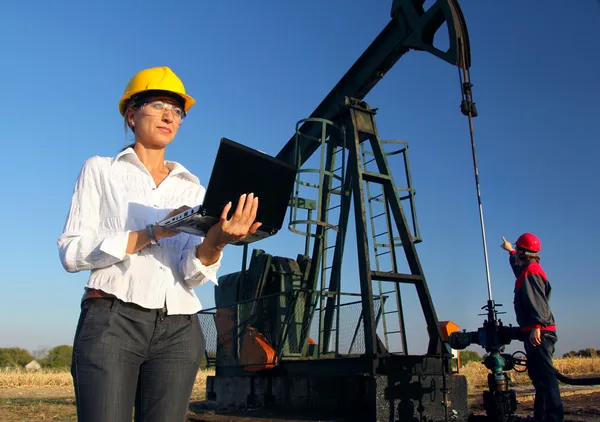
(506, 245)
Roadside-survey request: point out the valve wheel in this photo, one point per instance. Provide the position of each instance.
(520, 362)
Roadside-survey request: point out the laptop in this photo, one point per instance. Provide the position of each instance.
(239, 169)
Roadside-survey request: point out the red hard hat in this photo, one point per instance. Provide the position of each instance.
(530, 242)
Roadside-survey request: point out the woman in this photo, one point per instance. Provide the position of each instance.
(138, 342)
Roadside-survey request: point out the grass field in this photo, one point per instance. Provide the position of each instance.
(56, 379)
(476, 373)
(48, 394)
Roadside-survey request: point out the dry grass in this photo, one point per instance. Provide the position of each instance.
(48, 394)
(477, 373)
(200, 385)
(62, 378)
(39, 379)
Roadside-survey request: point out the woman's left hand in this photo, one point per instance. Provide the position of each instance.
(241, 224)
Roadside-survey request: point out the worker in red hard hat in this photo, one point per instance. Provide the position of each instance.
(534, 316)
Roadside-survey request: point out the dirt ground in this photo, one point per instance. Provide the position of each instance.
(39, 404)
(578, 407)
(43, 404)
(582, 405)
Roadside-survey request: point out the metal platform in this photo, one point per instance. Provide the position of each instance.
(414, 393)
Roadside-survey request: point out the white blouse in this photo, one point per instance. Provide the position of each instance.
(114, 196)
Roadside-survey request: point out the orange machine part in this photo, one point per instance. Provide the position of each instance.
(256, 352)
(447, 328)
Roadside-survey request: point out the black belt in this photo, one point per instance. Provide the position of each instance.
(109, 302)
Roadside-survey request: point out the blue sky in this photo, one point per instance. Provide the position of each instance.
(258, 67)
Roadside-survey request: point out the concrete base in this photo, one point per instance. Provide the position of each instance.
(350, 398)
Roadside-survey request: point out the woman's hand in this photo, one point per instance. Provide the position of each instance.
(139, 239)
(241, 224)
(161, 232)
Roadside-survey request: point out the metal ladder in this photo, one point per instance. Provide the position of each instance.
(379, 210)
(327, 248)
(331, 141)
(362, 123)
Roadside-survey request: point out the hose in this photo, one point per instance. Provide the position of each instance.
(577, 381)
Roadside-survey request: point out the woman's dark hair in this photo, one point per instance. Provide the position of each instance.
(128, 146)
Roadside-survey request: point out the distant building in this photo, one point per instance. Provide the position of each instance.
(33, 366)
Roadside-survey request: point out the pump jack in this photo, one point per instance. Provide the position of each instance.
(260, 334)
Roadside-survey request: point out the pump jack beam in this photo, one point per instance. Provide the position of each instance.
(376, 385)
(410, 27)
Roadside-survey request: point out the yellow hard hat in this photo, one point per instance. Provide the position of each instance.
(155, 78)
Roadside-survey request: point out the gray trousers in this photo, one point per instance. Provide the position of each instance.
(126, 356)
(548, 405)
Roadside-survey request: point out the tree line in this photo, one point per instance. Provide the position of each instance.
(583, 353)
(58, 357)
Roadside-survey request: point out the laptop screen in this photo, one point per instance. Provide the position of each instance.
(239, 169)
